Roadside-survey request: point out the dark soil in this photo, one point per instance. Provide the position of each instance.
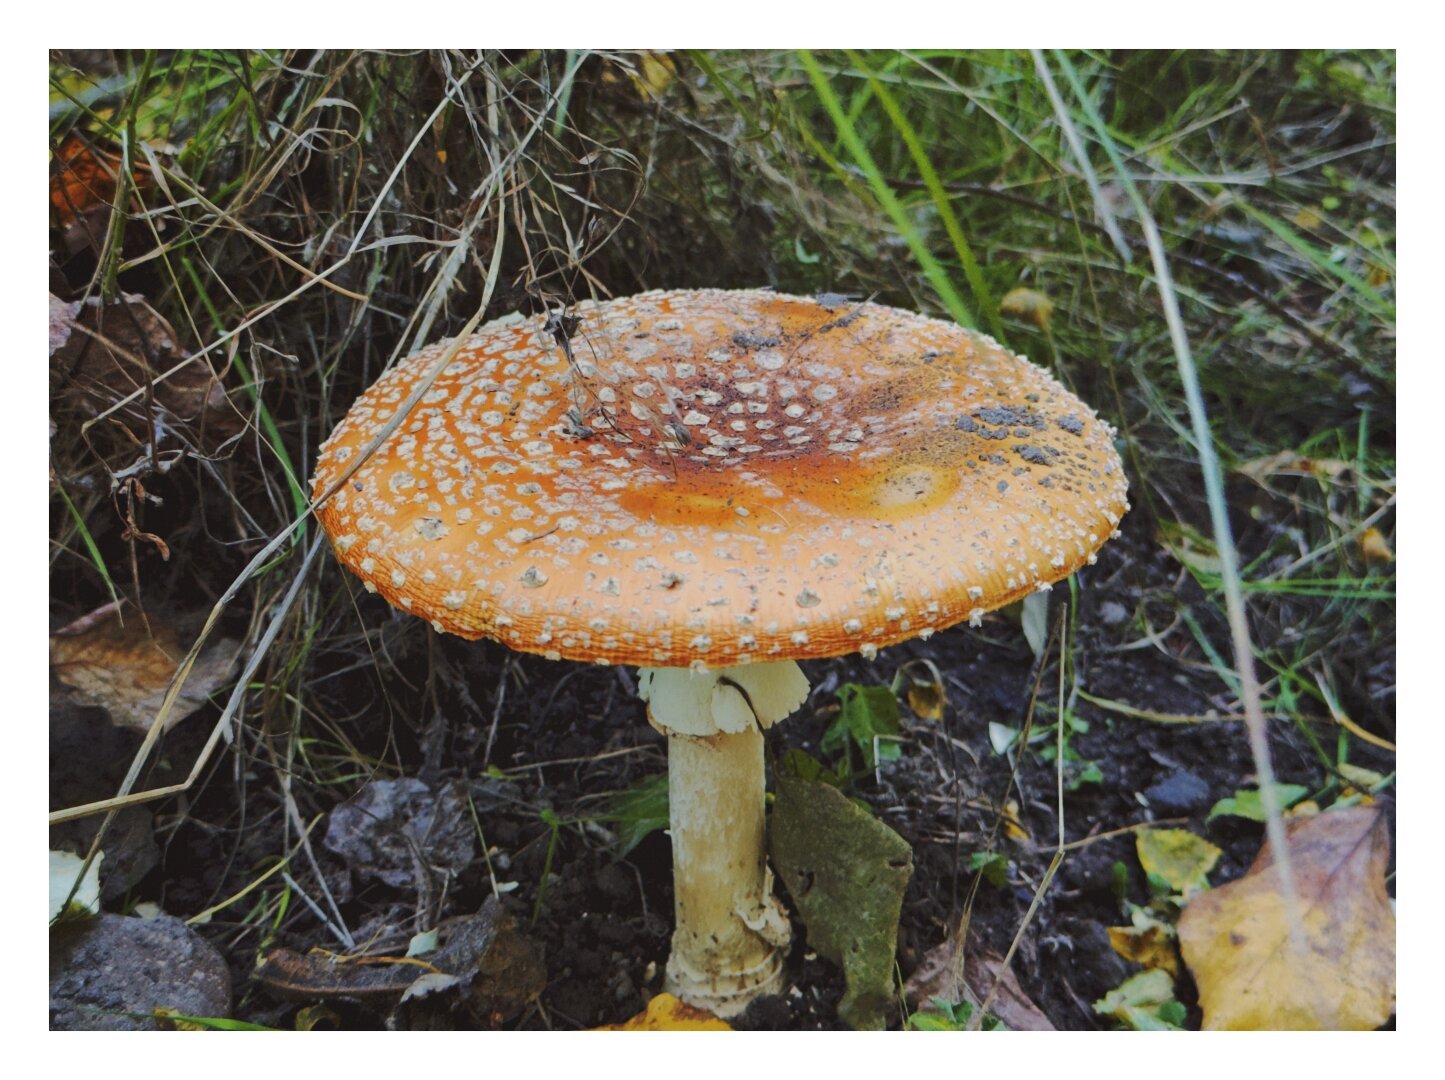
(567, 734)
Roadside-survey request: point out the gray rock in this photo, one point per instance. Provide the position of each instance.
(390, 825)
(111, 973)
(1181, 792)
(1112, 613)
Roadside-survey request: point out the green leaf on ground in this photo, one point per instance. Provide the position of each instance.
(1178, 857)
(992, 865)
(1249, 803)
(1145, 1002)
(945, 1015)
(846, 872)
(637, 812)
(868, 719)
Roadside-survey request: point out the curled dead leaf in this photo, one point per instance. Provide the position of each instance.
(485, 971)
(1290, 463)
(942, 973)
(100, 353)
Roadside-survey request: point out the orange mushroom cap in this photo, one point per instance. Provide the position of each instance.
(718, 478)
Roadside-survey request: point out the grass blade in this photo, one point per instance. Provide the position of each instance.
(1214, 494)
(932, 269)
(982, 295)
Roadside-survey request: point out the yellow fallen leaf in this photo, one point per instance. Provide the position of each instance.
(1236, 938)
(1012, 827)
(655, 72)
(1150, 946)
(1375, 548)
(667, 1013)
(926, 696)
(1029, 305)
(1363, 779)
(1178, 856)
(649, 71)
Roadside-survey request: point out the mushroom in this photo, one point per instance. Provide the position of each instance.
(712, 486)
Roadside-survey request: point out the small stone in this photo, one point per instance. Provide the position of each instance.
(1181, 792)
(1112, 613)
(112, 972)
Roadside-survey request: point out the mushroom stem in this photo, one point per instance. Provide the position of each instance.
(731, 933)
(727, 946)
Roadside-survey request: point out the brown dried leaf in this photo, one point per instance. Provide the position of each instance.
(62, 321)
(83, 177)
(486, 970)
(1236, 938)
(1289, 463)
(937, 976)
(126, 669)
(1148, 946)
(101, 353)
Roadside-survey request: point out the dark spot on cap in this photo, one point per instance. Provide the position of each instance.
(1072, 424)
(748, 339)
(1002, 486)
(847, 320)
(1034, 454)
(966, 423)
(1009, 417)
